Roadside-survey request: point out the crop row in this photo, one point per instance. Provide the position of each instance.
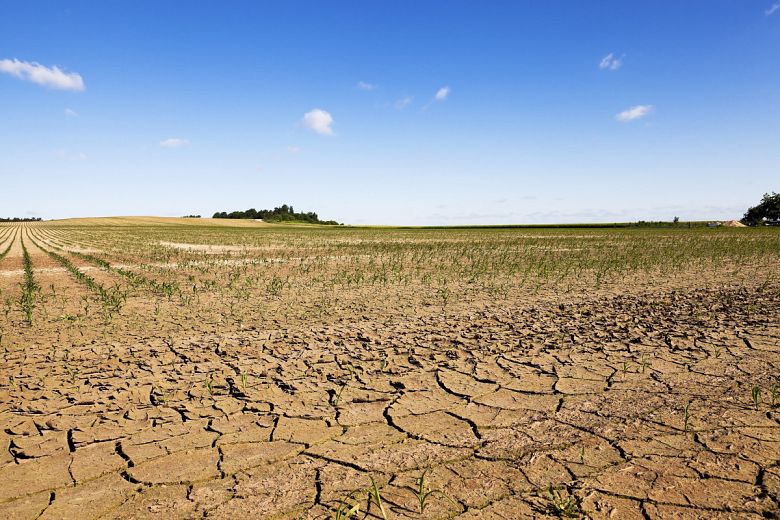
(113, 298)
(30, 287)
(168, 289)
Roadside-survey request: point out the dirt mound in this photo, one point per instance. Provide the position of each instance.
(733, 223)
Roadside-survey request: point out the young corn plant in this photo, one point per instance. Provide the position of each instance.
(375, 495)
(756, 395)
(560, 506)
(423, 491)
(348, 507)
(337, 398)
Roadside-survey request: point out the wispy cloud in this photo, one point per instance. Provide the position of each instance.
(404, 102)
(71, 113)
(51, 77)
(610, 62)
(362, 85)
(174, 142)
(442, 94)
(318, 121)
(633, 113)
(772, 9)
(294, 149)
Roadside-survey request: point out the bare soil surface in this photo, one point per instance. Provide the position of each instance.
(654, 400)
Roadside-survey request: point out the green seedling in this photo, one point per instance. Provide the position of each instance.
(337, 398)
(562, 507)
(347, 508)
(375, 495)
(687, 416)
(444, 295)
(756, 394)
(210, 385)
(244, 378)
(423, 491)
(276, 285)
(774, 393)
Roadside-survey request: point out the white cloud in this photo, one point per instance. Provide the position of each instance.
(362, 85)
(442, 94)
(71, 113)
(772, 9)
(404, 102)
(294, 149)
(318, 121)
(635, 112)
(610, 62)
(174, 142)
(52, 77)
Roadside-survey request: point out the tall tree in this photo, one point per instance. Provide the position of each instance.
(768, 208)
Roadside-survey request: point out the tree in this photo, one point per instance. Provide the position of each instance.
(768, 208)
(676, 220)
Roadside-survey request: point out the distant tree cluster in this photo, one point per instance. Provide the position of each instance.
(21, 219)
(767, 211)
(663, 223)
(191, 216)
(283, 213)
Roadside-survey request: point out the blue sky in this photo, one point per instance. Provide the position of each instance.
(424, 112)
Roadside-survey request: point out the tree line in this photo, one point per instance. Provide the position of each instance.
(21, 219)
(283, 213)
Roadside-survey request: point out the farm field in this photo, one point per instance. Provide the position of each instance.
(189, 368)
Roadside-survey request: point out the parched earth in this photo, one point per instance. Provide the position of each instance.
(660, 404)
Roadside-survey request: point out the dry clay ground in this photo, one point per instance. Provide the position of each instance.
(656, 403)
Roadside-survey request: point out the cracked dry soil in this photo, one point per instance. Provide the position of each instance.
(629, 404)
